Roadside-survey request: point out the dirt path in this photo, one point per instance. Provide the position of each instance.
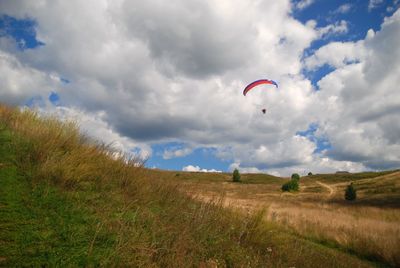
(330, 188)
(390, 176)
(393, 175)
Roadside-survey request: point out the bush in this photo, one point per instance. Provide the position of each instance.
(236, 175)
(350, 193)
(295, 176)
(309, 174)
(291, 186)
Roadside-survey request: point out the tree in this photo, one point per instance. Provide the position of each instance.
(291, 186)
(350, 193)
(295, 176)
(309, 174)
(236, 175)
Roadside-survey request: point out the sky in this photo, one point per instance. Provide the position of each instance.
(164, 79)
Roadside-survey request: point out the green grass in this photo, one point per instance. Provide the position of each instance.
(201, 177)
(346, 177)
(40, 226)
(261, 179)
(66, 201)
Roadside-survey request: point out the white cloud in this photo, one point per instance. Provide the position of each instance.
(294, 151)
(339, 27)
(153, 77)
(395, 5)
(20, 82)
(234, 166)
(365, 101)
(94, 125)
(302, 4)
(174, 153)
(374, 4)
(345, 8)
(336, 54)
(319, 164)
(191, 168)
(150, 72)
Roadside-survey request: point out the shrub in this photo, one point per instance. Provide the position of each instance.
(295, 176)
(236, 175)
(309, 174)
(291, 186)
(350, 193)
(285, 187)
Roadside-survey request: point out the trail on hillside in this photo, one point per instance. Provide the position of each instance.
(390, 176)
(306, 211)
(393, 175)
(329, 187)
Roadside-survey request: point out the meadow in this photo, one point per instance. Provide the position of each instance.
(368, 226)
(67, 200)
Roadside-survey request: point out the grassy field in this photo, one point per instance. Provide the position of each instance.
(68, 201)
(368, 227)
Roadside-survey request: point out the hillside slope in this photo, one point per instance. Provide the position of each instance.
(66, 201)
(369, 226)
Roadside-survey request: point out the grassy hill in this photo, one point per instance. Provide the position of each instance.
(368, 227)
(68, 201)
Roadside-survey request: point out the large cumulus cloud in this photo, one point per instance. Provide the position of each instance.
(362, 97)
(160, 72)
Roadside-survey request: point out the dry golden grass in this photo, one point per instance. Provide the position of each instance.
(319, 212)
(369, 235)
(153, 223)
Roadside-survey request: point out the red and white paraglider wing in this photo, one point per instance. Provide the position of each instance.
(258, 82)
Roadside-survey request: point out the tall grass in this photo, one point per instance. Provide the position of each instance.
(372, 232)
(154, 224)
(151, 221)
(56, 152)
(365, 231)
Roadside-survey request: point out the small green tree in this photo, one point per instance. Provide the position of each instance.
(285, 187)
(309, 173)
(291, 186)
(236, 175)
(295, 176)
(350, 193)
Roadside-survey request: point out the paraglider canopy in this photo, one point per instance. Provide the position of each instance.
(258, 82)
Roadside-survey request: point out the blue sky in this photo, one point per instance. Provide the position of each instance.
(201, 157)
(21, 30)
(357, 15)
(359, 18)
(166, 85)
